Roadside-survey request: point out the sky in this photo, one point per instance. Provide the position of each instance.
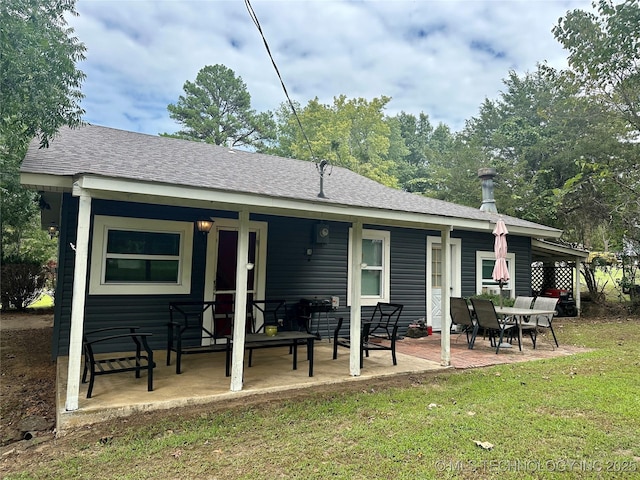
(438, 57)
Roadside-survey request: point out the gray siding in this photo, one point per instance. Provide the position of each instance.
(473, 242)
(149, 312)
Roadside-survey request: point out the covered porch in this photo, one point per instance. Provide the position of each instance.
(203, 380)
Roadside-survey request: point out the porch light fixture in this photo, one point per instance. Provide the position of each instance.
(53, 230)
(204, 226)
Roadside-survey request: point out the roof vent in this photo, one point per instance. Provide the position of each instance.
(488, 202)
(322, 166)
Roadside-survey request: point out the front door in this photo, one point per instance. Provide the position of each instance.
(434, 278)
(222, 257)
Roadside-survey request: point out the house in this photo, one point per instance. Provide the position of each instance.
(127, 206)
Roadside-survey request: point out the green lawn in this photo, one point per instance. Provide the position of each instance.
(44, 301)
(575, 416)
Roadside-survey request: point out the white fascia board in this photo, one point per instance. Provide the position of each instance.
(554, 249)
(535, 232)
(48, 183)
(108, 188)
(147, 192)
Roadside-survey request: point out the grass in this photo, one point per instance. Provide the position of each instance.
(44, 301)
(575, 416)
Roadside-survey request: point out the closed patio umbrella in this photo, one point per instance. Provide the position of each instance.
(500, 269)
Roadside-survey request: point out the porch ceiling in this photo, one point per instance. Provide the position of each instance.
(543, 251)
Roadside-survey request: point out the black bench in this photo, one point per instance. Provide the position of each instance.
(104, 366)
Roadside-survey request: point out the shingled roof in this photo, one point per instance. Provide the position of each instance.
(120, 154)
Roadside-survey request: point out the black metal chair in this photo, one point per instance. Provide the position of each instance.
(487, 319)
(187, 332)
(270, 312)
(94, 366)
(385, 318)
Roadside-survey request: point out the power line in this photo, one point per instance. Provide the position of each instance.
(254, 17)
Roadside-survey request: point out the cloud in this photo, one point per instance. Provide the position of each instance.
(440, 58)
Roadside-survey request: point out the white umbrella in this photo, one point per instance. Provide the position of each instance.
(500, 269)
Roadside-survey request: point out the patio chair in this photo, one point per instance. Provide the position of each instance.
(489, 321)
(270, 311)
(101, 365)
(187, 332)
(523, 302)
(545, 321)
(461, 315)
(384, 319)
(525, 324)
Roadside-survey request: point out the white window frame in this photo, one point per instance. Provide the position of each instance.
(511, 262)
(385, 237)
(101, 226)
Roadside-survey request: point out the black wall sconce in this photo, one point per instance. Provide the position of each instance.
(53, 230)
(204, 226)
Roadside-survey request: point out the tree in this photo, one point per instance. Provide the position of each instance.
(39, 93)
(436, 164)
(216, 108)
(604, 64)
(535, 134)
(352, 133)
(604, 54)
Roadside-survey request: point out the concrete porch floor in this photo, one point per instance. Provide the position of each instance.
(203, 379)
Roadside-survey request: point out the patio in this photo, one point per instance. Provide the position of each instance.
(203, 379)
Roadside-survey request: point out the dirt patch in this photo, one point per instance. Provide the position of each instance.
(30, 320)
(27, 404)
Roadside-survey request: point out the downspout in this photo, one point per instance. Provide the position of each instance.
(78, 300)
(578, 287)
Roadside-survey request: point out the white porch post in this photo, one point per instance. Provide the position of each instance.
(578, 286)
(78, 300)
(356, 291)
(445, 337)
(240, 315)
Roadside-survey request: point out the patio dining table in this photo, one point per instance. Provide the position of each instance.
(520, 314)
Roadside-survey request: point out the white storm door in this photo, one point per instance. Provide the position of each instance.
(434, 278)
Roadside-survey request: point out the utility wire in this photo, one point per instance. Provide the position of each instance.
(254, 17)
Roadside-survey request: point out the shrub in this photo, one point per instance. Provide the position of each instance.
(21, 282)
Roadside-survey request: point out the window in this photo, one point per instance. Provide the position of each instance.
(375, 267)
(436, 266)
(137, 256)
(484, 270)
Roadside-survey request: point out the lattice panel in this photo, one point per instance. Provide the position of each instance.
(551, 277)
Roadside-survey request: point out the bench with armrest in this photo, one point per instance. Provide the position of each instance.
(384, 320)
(188, 333)
(103, 365)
